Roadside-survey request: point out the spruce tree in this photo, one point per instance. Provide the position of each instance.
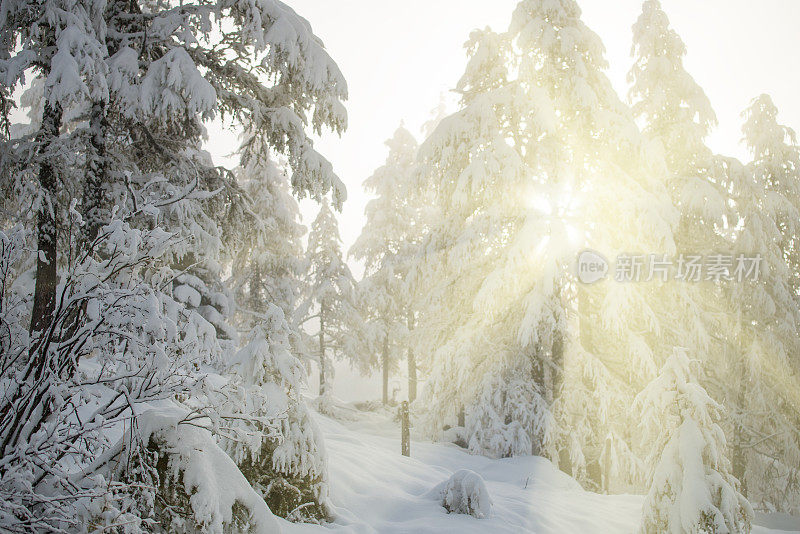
(763, 312)
(386, 245)
(329, 295)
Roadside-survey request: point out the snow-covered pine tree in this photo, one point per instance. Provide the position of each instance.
(268, 264)
(386, 246)
(508, 172)
(284, 460)
(145, 298)
(776, 160)
(589, 157)
(691, 488)
(472, 175)
(287, 464)
(763, 314)
(63, 42)
(677, 115)
(330, 295)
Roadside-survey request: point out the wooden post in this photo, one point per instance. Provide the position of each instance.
(405, 435)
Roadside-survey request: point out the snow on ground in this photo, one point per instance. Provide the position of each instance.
(376, 490)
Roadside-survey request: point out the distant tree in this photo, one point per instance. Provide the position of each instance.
(776, 164)
(268, 263)
(763, 314)
(386, 246)
(329, 294)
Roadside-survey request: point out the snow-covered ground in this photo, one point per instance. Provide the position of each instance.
(376, 490)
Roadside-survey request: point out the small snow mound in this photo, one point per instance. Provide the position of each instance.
(465, 493)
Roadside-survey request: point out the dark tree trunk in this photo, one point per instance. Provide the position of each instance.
(553, 371)
(557, 356)
(44, 297)
(96, 190)
(462, 418)
(95, 196)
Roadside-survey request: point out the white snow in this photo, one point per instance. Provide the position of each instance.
(376, 490)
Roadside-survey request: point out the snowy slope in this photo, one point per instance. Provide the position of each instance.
(376, 490)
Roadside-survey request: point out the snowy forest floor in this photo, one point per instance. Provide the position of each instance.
(376, 490)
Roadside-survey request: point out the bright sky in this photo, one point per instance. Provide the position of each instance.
(399, 56)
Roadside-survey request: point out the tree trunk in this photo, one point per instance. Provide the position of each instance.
(586, 309)
(44, 297)
(412, 366)
(606, 476)
(738, 458)
(95, 198)
(558, 364)
(323, 386)
(412, 376)
(555, 373)
(385, 365)
(462, 418)
(96, 208)
(256, 299)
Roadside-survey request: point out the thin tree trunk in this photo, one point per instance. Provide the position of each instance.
(462, 418)
(323, 387)
(405, 430)
(606, 476)
(738, 458)
(44, 297)
(554, 371)
(412, 365)
(385, 365)
(594, 469)
(555, 374)
(256, 299)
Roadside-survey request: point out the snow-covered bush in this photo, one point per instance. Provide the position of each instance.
(465, 493)
(691, 487)
(199, 487)
(509, 418)
(70, 393)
